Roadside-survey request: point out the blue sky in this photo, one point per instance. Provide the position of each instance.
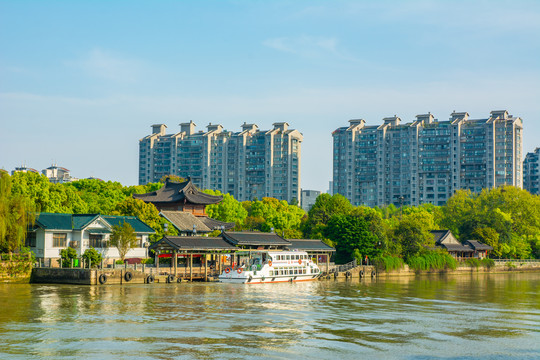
(82, 81)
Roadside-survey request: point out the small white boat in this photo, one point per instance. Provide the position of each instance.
(272, 267)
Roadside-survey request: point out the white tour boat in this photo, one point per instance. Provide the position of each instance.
(271, 267)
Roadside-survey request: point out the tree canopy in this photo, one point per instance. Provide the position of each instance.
(17, 212)
(123, 238)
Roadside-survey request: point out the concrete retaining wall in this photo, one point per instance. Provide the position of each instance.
(62, 276)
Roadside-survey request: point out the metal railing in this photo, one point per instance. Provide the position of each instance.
(516, 261)
(345, 267)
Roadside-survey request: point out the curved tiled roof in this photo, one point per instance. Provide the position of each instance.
(309, 245)
(217, 224)
(173, 192)
(477, 245)
(192, 243)
(251, 238)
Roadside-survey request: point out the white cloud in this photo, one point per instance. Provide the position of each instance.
(105, 65)
(307, 46)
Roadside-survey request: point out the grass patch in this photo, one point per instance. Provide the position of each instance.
(388, 263)
(432, 260)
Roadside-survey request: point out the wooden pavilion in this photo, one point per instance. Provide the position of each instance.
(202, 249)
(184, 205)
(198, 257)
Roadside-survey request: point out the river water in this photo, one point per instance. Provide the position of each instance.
(480, 316)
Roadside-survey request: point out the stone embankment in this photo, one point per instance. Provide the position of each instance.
(98, 276)
(364, 271)
(500, 267)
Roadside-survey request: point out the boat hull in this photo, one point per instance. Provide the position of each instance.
(266, 280)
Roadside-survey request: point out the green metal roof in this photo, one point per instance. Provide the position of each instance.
(80, 221)
(50, 221)
(135, 223)
(54, 221)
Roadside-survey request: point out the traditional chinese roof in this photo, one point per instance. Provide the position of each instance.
(456, 248)
(184, 192)
(309, 245)
(447, 240)
(442, 236)
(184, 221)
(192, 243)
(217, 224)
(477, 245)
(249, 238)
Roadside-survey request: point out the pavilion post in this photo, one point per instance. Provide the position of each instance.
(327, 262)
(191, 267)
(205, 268)
(175, 259)
(157, 262)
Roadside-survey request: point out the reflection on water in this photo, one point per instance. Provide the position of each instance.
(474, 316)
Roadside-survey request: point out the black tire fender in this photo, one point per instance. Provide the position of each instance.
(102, 279)
(150, 279)
(128, 276)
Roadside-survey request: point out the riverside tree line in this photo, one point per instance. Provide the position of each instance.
(506, 218)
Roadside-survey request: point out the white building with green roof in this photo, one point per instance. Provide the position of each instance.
(54, 232)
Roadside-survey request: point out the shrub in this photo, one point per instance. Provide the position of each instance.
(388, 263)
(487, 263)
(93, 256)
(66, 255)
(148, 261)
(473, 262)
(432, 260)
(119, 262)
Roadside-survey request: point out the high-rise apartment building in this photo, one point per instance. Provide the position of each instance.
(247, 164)
(531, 172)
(426, 161)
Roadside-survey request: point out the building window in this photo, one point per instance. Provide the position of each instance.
(30, 239)
(96, 241)
(59, 239)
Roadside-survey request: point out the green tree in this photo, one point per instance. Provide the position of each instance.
(228, 210)
(65, 199)
(66, 256)
(148, 214)
(32, 186)
(276, 214)
(92, 256)
(101, 197)
(172, 178)
(352, 238)
(17, 213)
(489, 237)
(512, 213)
(376, 226)
(325, 207)
(124, 239)
(413, 233)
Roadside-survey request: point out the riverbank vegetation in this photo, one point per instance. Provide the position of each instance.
(506, 218)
